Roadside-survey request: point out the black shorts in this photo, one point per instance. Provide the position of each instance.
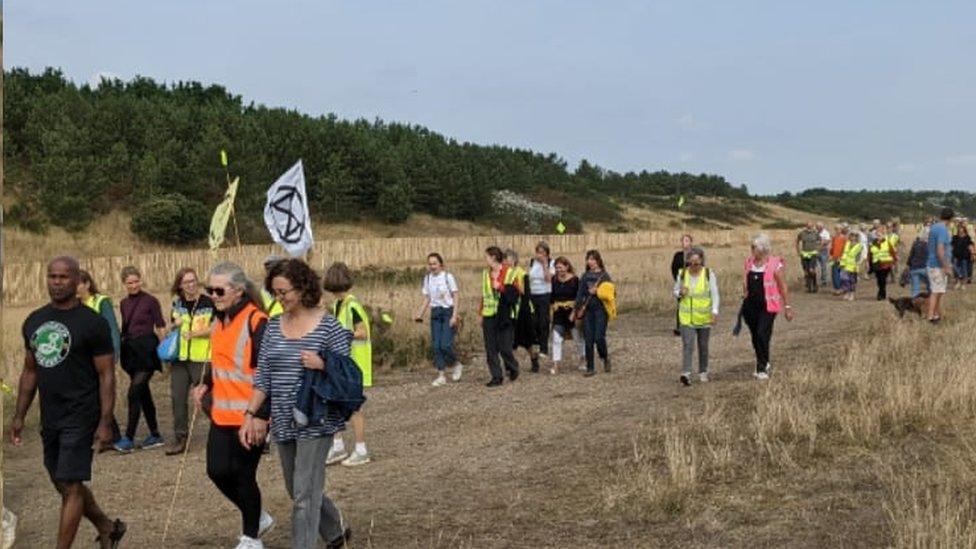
(68, 452)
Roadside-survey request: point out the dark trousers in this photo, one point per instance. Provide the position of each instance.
(141, 402)
(183, 376)
(499, 340)
(595, 333)
(810, 272)
(234, 471)
(760, 322)
(882, 276)
(540, 321)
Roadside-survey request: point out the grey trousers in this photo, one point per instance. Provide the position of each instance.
(313, 514)
(182, 376)
(689, 335)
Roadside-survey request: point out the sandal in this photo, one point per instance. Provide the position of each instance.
(115, 536)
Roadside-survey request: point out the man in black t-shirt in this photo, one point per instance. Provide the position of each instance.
(69, 360)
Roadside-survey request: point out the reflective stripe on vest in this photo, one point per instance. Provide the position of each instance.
(361, 350)
(695, 308)
(233, 381)
(848, 259)
(95, 302)
(198, 348)
(882, 253)
(490, 297)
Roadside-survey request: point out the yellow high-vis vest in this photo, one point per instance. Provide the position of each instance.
(848, 259)
(361, 349)
(695, 308)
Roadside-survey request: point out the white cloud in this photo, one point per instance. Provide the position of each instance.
(741, 154)
(905, 168)
(961, 160)
(95, 80)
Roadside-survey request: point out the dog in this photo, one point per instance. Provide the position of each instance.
(909, 304)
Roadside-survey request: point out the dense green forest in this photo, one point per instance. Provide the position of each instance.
(151, 149)
(74, 152)
(909, 206)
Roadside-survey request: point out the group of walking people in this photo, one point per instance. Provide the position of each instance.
(245, 352)
(538, 309)
(245, 356)
(765, 295)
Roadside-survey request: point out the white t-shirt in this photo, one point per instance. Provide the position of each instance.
(537, 278)
(440, 288)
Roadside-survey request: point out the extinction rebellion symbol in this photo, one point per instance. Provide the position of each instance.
(288, 211)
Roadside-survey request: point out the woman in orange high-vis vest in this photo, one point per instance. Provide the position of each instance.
(235, 342)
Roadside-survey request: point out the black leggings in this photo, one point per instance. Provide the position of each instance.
(233, 471)
(882, 276)
(760, 322)
(141, 400)
(540, 321)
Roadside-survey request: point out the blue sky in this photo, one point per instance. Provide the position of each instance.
(775, 94)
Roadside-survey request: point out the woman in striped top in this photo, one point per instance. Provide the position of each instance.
(292, 342)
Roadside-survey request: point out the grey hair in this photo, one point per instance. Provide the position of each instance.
(238, 279)
(513, 255)
(762, 243)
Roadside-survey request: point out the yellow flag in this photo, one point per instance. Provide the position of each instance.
(681, 201)
(560, 228)
(218, 225)
(223, 158)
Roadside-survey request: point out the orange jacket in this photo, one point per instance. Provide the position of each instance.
(231, 348)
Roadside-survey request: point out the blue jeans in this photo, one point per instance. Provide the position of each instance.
(918, 276)
(964, 268)
(835, 274)
(824, 265)
(442, 337)
(595, 333)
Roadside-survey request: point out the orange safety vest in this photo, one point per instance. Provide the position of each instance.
(233, 377)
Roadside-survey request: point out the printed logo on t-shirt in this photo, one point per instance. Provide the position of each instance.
(51, 343)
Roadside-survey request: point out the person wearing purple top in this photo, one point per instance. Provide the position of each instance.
(142, 328)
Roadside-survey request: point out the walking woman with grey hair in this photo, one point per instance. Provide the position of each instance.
(764, 296)
(235, 339)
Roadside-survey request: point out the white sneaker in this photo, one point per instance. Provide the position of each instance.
(441, 380)
(703, 377)
(335, 457)
(355, 459)
(245, 542)
(458, 370)
(265, 524)
(761, 376)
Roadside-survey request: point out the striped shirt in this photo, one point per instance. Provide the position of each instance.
(280, 373)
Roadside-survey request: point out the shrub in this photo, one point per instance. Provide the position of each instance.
(395, 203)
(172, 219)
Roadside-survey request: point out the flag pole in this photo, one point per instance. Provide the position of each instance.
(233, 206)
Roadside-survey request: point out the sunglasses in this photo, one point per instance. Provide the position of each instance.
(219, 292)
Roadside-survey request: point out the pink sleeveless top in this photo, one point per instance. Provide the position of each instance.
(774, 301)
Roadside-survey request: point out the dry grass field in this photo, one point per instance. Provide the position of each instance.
(862, 438)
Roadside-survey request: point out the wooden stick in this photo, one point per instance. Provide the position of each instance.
(179, 473)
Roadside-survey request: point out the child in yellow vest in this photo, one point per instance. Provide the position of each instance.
(352, 316)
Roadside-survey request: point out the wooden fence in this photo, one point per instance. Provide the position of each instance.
(24, 284)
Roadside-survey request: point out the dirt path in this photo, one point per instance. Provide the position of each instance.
(519, 466)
